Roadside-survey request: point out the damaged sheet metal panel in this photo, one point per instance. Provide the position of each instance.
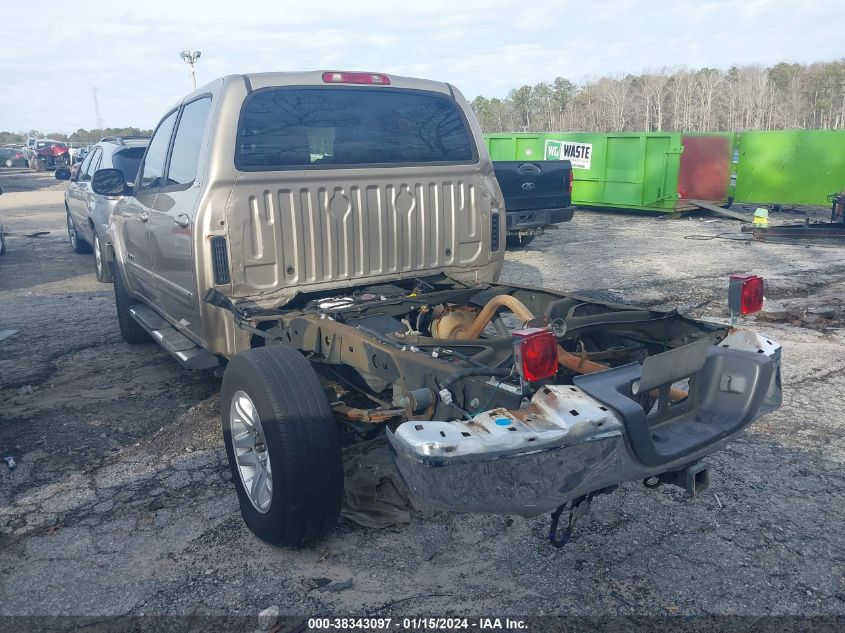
(568, 442)
(510, 462)
(558, 414)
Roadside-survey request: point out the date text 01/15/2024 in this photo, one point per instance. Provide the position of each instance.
(416, 624)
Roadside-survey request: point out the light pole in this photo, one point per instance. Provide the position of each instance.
(190, 58)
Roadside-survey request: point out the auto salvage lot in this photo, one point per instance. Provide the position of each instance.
(121, 501)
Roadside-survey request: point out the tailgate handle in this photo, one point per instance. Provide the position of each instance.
(528, 169)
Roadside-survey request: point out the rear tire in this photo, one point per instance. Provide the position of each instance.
(130, 329)
(101, 267)
(76, 242)
(514, 241)
(296, 434)
(9, 162)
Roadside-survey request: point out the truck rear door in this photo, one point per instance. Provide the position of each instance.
(172, 220)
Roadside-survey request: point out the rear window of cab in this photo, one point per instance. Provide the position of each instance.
(336, 127)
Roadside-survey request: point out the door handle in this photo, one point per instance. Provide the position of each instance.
(528, 169)
(143, 216)
(182, 220)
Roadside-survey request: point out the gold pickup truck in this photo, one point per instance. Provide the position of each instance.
(334, 240)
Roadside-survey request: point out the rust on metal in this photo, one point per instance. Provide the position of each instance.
(823, 233)
(367, 416)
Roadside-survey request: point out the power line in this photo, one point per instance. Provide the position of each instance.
(97, 116)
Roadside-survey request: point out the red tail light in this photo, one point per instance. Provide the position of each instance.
(356, 78)
(745, 294)
(535, 353)
(569, 184)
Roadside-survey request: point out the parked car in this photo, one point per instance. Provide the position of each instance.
(538, 194)
(74, 170)
(79, 155)
(49, 154)
(335, 240)
(87, 212)
(13, 157)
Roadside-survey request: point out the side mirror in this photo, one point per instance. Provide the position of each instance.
(62, 173)
(108, 182)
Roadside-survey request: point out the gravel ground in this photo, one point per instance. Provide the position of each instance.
(121, 503)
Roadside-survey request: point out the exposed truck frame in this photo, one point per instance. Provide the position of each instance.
(462, 423)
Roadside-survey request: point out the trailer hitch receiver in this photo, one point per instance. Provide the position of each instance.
(693, 478)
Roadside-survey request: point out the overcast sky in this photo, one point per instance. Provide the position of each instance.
(52, 54)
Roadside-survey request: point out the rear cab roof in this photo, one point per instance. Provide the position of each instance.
(256, 81)
(231, 91)
(312, 78)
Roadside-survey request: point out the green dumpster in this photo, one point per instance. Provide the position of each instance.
(790, 167)
(640, 171)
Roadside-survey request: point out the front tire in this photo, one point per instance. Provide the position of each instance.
(130, 329)
(9, 162)
(100, 262)
(283, 447)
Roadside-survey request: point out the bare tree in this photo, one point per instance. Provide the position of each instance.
(785, 96)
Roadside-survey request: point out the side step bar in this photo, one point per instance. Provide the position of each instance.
(184, 350)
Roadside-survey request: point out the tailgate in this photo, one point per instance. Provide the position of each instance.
(542, 184)
(295, 229)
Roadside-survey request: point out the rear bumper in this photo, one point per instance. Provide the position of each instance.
(568, 442)
(535, 218)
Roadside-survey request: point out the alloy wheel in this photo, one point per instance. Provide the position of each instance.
(249, 445)
(98, 257)
(71, 231)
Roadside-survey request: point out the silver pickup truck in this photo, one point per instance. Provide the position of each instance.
(335, 239)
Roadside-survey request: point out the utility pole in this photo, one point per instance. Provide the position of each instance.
(190, 58)
(98, 118)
